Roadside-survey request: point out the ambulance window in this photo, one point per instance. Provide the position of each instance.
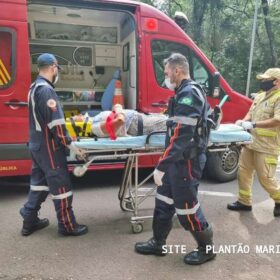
(161, 50)
(199, 72)
(7, 57)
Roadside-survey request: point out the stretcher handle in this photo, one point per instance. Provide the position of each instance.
(154, 133)
(220, 105)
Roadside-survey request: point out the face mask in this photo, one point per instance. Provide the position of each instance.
(55, 79)
(267, 85)
(169, 84)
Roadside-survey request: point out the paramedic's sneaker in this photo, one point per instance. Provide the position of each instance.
(150, 247)
(77, 231)
(276, 211)
(237, 206)
(28, 228)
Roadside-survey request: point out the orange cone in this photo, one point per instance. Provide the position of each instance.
(118, 97)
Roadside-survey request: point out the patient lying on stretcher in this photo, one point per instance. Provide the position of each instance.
(121, 122)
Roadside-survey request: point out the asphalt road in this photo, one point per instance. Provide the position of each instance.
(107, 251)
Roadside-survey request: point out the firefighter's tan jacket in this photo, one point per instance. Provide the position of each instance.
(266, 140)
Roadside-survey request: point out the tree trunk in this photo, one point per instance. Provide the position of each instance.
(199, 8)
(267, 21)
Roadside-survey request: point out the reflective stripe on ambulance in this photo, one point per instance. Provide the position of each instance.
(4, 74)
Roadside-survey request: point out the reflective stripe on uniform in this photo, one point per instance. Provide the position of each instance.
(37, 125)
(39, 188)
(189, 211)
(265, 132)
(276, 195)
(165, 199)
(245, 193)
(271, 160)
(176, 132)
(31, 96)
(62, 195)
(200, 94)
(55, 123)
(184, 120)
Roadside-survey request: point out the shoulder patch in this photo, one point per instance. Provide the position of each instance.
(51, 103)
(185, 101)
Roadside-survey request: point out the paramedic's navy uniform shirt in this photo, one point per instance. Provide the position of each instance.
(186, 103)
(48, 113)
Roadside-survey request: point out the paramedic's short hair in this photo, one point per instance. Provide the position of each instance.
(177, 60)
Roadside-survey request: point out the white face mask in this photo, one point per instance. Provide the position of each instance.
(169, 85)
(55, 79)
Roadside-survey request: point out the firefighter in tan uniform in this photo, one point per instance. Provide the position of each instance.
(263, 121)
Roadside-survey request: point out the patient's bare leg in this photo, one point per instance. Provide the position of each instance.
(118, 121)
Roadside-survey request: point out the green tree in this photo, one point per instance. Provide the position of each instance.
(223, 28)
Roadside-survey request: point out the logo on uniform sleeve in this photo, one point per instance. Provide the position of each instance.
(51, 103)
(185, 101)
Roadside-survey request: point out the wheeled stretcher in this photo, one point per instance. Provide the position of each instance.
(131, 192)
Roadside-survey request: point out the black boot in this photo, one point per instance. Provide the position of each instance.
(238, 206)
(202, 254)
(150, 247)
(29, 228)
(67, 224)
(276, 211)
(154, 245)
(31, 222)
(76, 231)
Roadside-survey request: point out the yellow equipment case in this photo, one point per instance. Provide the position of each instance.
(79, 128)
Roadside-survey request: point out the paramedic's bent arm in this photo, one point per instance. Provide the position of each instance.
(269, 123)
(53, 114)
(183, 134)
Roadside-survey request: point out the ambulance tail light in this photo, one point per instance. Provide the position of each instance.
(151, 25)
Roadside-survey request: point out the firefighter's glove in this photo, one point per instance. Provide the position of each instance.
(80, 153)
(247, 125)
(239, 122)
(158, 175)
(217, 117)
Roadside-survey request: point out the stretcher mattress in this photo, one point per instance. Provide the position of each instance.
(227, 133)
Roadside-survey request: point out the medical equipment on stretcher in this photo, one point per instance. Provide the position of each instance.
(79, 128)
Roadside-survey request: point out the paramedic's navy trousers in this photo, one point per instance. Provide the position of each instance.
(179, 194)
(50, 174)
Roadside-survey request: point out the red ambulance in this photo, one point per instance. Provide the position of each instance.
(91, 39)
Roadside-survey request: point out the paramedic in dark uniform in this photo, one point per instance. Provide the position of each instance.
(180, 168)
(48, 144)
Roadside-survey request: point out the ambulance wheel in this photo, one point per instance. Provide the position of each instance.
(137, 227)
(223, 166)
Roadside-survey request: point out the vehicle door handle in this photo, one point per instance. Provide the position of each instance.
(16, 103)
(160, 104)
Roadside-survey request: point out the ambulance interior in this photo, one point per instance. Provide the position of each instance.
(90, 45)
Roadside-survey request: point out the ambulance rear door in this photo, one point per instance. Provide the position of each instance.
(14, 80)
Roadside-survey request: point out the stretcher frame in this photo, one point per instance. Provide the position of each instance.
(130, 194)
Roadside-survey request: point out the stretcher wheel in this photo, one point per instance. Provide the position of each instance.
(137, 227)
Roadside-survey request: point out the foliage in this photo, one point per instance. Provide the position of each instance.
(223, 31)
